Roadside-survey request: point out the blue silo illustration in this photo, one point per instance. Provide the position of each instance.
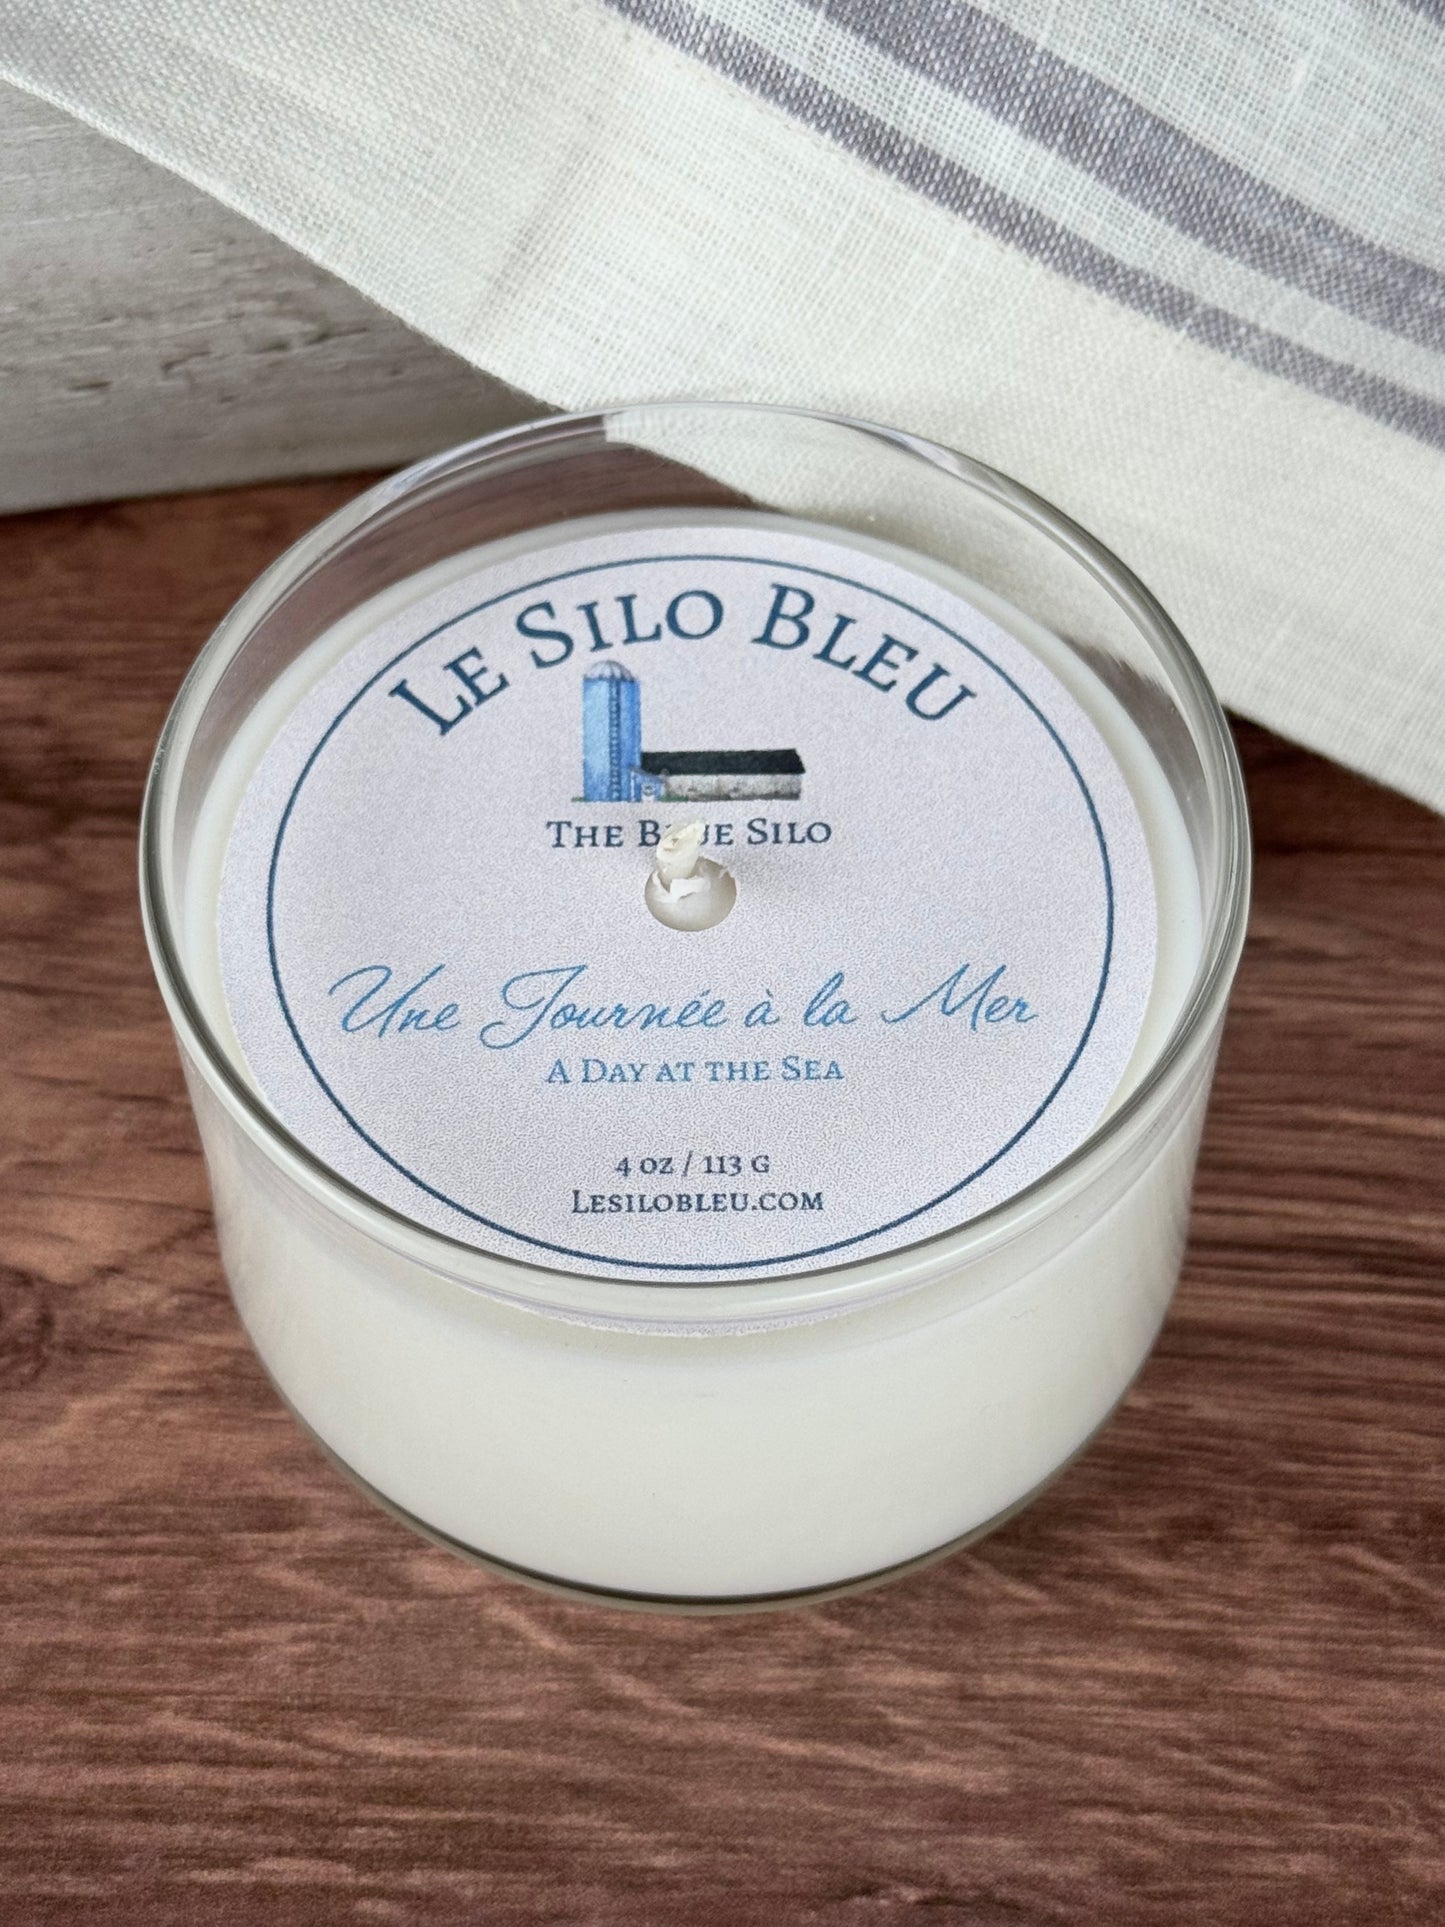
(611, 734)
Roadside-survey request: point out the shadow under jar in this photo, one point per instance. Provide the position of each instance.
(698, 1267)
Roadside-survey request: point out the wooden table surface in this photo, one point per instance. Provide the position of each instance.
(1203, 1679)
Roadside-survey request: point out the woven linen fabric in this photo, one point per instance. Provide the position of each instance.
(1177, 264)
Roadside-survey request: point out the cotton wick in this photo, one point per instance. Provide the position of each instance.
(686, 890)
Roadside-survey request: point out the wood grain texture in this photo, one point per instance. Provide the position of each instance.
(1202, 1680)
(151, 338)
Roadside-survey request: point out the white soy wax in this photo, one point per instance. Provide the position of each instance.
(706, 1440)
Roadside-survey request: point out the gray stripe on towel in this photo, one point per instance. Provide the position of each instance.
(1146, 160)
(962, 192)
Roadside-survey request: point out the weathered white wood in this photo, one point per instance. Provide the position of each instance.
(151, 340)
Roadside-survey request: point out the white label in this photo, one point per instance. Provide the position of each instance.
(444, 977)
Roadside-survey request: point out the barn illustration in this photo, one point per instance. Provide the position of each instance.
(617, 769)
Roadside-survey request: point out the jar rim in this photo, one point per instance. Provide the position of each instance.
(780, 1294)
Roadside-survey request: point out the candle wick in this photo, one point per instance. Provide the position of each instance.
(678, 853)
(686, 890)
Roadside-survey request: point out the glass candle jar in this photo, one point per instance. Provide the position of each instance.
(486, 1327)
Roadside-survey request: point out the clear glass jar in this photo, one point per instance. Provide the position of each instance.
(728, 1445)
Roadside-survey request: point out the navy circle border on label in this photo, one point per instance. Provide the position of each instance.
(776, 1264)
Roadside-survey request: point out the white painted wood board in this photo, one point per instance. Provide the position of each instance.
(151, 340)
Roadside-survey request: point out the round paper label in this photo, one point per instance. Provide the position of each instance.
(445, 979)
